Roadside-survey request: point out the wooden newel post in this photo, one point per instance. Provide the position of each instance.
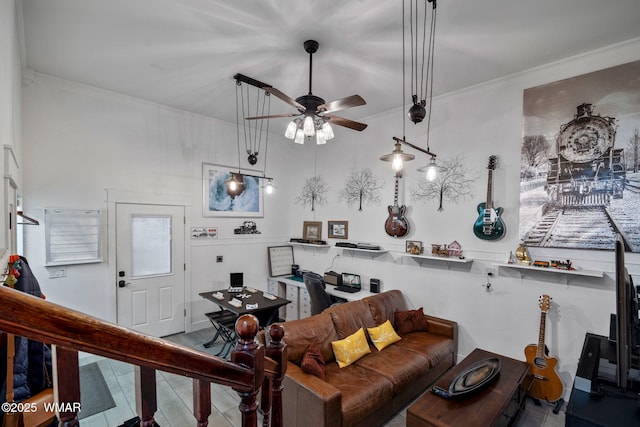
(146, 398)
(248, 352)
(66, 384)
(276, 350)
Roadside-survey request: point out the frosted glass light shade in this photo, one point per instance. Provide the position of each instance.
(309, 126)
(290, 133)
(328, 131)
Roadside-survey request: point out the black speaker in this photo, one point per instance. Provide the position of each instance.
(374, 285)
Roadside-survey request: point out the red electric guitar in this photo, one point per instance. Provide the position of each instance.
(545, 384)
(396, 224)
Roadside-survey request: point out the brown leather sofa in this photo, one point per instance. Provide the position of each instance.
(377, 386)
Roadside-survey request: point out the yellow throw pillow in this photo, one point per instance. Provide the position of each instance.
(383, 335)
(351, 348)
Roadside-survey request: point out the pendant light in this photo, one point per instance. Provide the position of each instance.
(417, 112)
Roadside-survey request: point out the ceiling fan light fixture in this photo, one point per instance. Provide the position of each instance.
(308, 126)
(292, 128)
(328, 131)
(299, 139)
(320, 137)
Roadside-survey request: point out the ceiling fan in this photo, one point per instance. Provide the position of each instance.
(313, 116)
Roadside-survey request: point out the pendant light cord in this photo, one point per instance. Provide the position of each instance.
(432, 41)
(404, 85)
(238, 88)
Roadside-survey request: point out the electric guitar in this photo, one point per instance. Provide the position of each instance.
(396, 224)
(489, 225)
(545, 384)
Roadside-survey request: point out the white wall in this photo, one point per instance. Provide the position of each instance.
(82, 141)
(475, 123)
(79, 141)
(10, 117)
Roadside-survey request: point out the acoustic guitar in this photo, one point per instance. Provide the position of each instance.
(396, 224)
(489, 225)
(545, 384)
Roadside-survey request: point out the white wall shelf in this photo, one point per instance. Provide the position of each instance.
(436, 258)
(309, 245)
(588, 273)
(372, 252)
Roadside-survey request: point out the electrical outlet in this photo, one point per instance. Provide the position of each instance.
(219, 258)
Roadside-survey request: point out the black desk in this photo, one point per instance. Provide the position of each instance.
(266, 311)
(224, 320)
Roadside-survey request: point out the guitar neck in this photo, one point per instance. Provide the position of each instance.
(395, 195)
(488, 205)
(543, 323)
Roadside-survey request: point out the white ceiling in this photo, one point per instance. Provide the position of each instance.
(183, 53)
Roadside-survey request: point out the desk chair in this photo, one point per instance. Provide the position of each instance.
(316, 288)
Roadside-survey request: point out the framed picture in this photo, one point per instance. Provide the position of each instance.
(312, 230)
(218, 202)
(338, 229)
(414, 247)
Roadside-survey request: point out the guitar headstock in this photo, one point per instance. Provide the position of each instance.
(545, 303)
(492, 162)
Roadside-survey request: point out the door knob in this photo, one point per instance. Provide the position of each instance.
(122, 284)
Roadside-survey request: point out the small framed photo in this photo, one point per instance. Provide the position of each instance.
(338, 229)
(312, 230)
(414, 247)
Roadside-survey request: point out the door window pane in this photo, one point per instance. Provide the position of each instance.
(150, 245)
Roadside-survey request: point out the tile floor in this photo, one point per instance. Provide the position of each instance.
(175, 396)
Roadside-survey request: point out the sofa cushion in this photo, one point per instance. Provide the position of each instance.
(435, 347)
(300, 334)
(350, 349)
(312, 362)
(363, 391)
(383, 335)
(348, 318)
(398, 365)
(383, 306)
(411, 321)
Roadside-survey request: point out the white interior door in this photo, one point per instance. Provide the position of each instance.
(150, 257)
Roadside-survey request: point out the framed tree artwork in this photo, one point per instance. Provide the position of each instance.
(218, 201)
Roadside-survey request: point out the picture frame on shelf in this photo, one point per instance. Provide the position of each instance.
(414, 247)
(218, 202)
(312, 230)
(338, 229)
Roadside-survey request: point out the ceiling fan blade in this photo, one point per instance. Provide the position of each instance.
(275, 92)
(273, 116)
(342, 104)
(341, 121)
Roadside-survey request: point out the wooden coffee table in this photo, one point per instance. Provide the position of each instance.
(496, 405)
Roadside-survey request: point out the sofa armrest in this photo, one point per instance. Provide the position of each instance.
(444, 327)
(309, 401)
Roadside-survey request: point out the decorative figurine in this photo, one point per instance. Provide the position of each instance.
(523, 255)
